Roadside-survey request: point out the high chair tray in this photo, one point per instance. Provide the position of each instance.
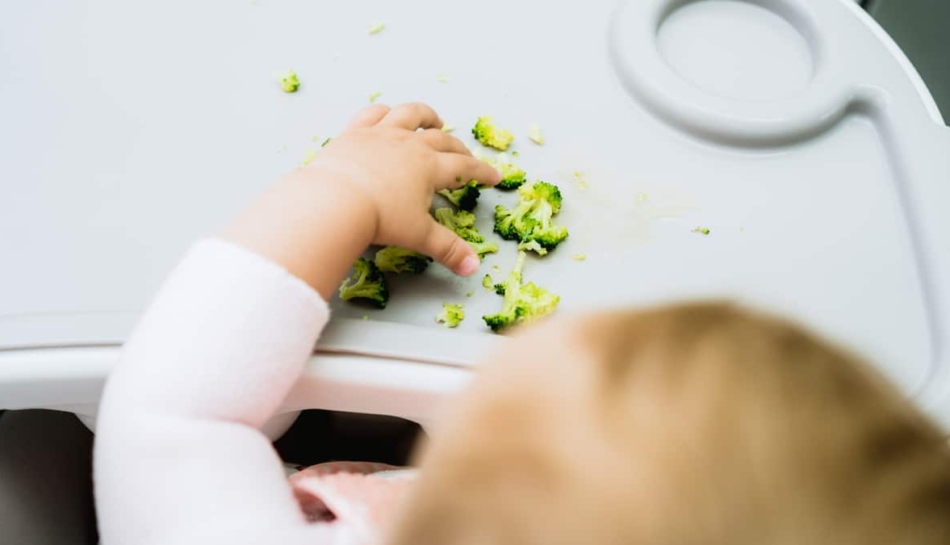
(794, 131)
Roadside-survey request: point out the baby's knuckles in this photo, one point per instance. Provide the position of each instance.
(391, 171)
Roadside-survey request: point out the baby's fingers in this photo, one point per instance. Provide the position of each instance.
(455, 170)
(439, 141)
(444, 246)
(368, 116)
(412, 116)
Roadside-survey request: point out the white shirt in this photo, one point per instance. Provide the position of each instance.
(210, 362)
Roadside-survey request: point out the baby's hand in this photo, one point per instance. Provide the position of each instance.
(373, 184)
(396, 169)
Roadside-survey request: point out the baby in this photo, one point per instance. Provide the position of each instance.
(698, 424)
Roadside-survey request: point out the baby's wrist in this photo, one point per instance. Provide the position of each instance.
(313, 224)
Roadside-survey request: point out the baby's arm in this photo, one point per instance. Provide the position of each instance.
(179, 458)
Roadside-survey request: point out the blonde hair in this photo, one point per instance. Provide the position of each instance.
(702, 423)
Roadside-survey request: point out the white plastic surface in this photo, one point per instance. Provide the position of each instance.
(793, 129)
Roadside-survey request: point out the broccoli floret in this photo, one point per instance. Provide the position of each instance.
(523, 302)
(367, 283)
(465, 197)
(489, 135)
(451, 315)
(399, 260)
(530, 221)
(512, 176)
(484, 248)
(289, 82)
(461, 222)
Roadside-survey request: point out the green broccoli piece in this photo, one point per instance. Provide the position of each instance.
(484, 248)
(489, 135)
(367, 283)
(462, 223)
(512, 176)
(488, 283)
(530, 221)
(399, 260)
(465, 197)
(451, 315)
(523, 302)
(289, 82)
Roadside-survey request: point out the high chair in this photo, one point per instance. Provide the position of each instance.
(782, 153)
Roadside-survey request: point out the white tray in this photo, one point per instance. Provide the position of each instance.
(795, 130)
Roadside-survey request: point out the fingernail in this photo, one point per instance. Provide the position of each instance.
(469, 266)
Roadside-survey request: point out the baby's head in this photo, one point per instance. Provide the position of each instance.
(703, 424)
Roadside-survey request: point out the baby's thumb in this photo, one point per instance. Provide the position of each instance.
(450, 250)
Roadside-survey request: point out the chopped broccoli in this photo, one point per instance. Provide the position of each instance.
(489, 135)
(465, 197)
(327, 141)
(376, 28)
(533, 246)
(512, 176)
(530, 221)
(289, 82)
(488, 283)
(367, 283)
(484, 248)
(309, 157)
(451, 315)
(469, 294)
(462, 223)
(534, 133)
(374, 95)
(523, 302)
(399, 260)
(447, 128)
(579, 257)
(701, 230)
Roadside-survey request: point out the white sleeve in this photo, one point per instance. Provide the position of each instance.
(178, 456)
